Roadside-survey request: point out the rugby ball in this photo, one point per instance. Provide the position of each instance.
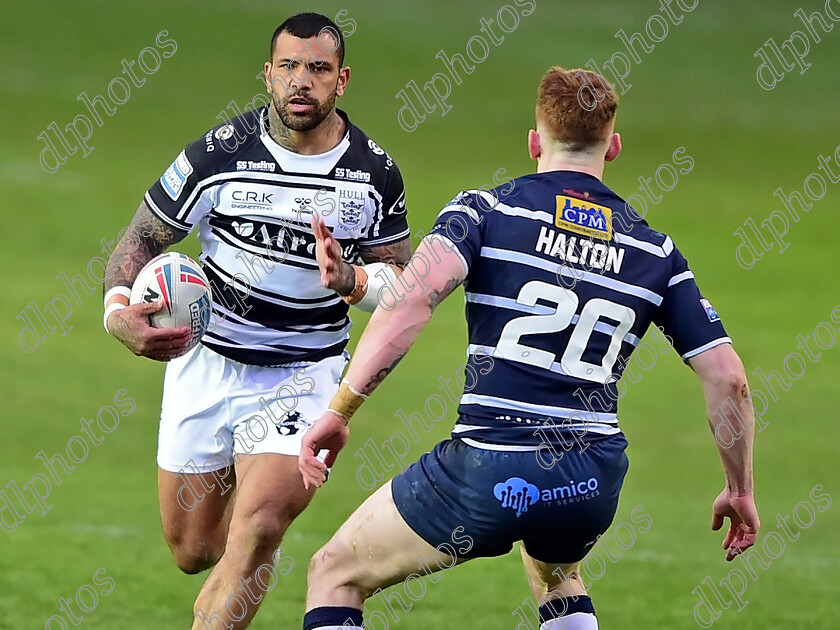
(185, 290)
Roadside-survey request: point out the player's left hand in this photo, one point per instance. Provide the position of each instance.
(330, 433)
(336, 274)
(743, 521)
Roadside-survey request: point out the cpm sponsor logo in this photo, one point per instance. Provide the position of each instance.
(582, 217)
(519, 495)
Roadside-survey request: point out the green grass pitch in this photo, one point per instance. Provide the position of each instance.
(697, 89)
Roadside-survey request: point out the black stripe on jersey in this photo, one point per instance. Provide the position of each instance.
(221, 313)
(253, 309)
(218, 277)
(282, 347)
(380, 210)
(270, 357)
(281, 257)
(296, 237)
(317, 328)
(162, 215)
(300, 229)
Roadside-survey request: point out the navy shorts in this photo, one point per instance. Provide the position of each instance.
(499, 497)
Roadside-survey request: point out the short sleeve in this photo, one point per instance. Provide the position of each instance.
(460, 223)
(686, 316)
(391, 223)
(181, 197)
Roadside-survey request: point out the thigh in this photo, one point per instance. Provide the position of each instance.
(193, 507)
(375, 548)
(269, 496)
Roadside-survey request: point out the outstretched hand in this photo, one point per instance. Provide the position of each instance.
(743, 522)
(336, 274)
(330, 433)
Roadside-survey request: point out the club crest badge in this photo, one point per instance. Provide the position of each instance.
(351, 209)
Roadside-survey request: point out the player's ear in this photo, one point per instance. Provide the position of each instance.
(614, 147)
(267, 76)
(534, 148)
(343, 80)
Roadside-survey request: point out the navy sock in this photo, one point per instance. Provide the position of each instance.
(557, 608)
(332, 616)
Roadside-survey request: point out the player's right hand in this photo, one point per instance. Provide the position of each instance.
(131, 326)
(330, 433)
(743, 521)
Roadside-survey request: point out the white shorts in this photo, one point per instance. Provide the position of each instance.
(214, 409)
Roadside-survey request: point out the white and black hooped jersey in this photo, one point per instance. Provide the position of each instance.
(252, 202)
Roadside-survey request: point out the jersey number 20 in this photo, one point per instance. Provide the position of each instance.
(567, 301)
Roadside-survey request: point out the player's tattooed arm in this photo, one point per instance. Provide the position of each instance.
(438, 296)
(377, 378)
(146, 237)
(346, 280)
(397, 253)
(391, 332)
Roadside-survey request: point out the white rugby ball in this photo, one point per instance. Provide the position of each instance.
(185, 290)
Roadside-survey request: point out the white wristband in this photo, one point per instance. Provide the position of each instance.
(123, 291)
(375, 284)
(108, 312)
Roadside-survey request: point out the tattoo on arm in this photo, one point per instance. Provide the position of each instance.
(348, 280)
(146, 237)
(436, 297)
(377, 378)
(397, 253)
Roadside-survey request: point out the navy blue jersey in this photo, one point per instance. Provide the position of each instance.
(563, 281)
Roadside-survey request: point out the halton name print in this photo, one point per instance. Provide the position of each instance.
(557, 245)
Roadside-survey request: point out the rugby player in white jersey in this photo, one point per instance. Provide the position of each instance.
(236, 406)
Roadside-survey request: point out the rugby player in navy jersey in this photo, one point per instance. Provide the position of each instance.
(236, 406)
(562, 280)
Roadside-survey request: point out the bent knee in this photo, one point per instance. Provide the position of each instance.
(566, 581)
(261, 530)
(334, 565)
(323, 560)
(194, 556)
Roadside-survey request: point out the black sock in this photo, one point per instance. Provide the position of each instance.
(332, 616)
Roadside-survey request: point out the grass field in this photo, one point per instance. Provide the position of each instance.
(696, 89)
